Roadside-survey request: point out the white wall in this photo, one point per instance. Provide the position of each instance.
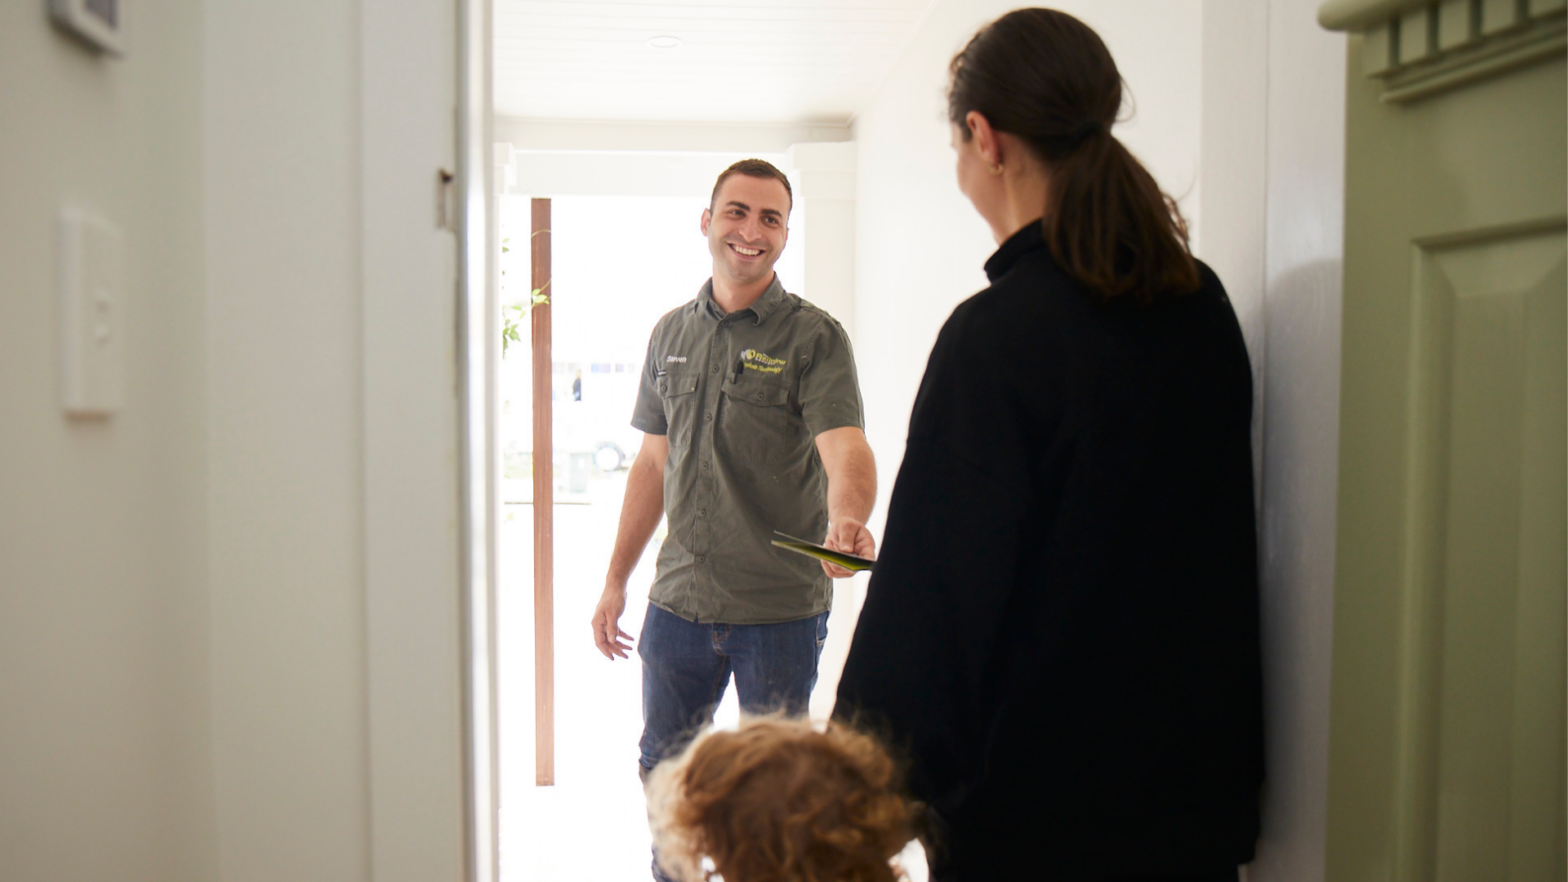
(183, 619)
(284, 438)
(1274, 130)
(921, 246)
(104, 748)
(332, 441)
(409, 315)
(825, 191)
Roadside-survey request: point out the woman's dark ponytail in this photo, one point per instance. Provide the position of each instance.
(1047, 78)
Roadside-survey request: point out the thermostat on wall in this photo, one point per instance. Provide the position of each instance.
(99, 22)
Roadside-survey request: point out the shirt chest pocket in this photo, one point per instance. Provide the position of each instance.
(757, 393)
(757, 422)
(678, 392)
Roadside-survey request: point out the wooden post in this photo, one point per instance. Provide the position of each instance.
(544, 506)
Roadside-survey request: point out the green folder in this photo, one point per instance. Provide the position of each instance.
(812, 549)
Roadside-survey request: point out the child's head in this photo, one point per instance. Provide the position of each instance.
(780, 800)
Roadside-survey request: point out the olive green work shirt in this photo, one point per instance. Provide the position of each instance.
(741, 398)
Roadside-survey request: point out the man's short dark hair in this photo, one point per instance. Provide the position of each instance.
(751, 168)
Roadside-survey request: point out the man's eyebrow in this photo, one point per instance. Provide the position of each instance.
(767, 212)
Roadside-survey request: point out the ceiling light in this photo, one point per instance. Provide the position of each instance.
(664, 41)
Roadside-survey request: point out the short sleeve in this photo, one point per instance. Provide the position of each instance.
(829, 390)
(648, 415)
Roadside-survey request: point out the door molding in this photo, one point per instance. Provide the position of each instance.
(1419, 48)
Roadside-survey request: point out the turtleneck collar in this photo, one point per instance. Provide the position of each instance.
(1026, 240)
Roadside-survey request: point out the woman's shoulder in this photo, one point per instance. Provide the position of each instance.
(1031, 292)
(1211, 304)
(1210, 289)
(1012, 331)
(1030, 311)
(1036, 300)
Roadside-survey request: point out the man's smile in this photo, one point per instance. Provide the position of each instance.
(743, 251)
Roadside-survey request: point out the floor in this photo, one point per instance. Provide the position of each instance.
(591, 825)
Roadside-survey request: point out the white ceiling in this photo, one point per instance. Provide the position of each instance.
(776, 61)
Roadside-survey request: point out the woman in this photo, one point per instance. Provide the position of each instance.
(1062, 630)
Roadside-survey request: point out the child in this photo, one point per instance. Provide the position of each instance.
(780, 800)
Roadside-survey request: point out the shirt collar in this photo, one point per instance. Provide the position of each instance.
(764, 306)
(1017, 245)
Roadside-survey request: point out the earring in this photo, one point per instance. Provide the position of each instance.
(995, 168)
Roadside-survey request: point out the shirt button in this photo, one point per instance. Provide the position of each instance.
(701, 559)
(702, 512)
(708, 416)
(704, 463)
(759, 396)
(714, 369)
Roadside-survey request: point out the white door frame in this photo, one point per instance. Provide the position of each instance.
(479, 361)
(430, 320)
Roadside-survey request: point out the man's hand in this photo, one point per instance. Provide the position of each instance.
(607, 633)
(852, 489)
(851, 537)
(640, 513)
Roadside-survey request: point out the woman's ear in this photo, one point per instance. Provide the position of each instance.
(984, 136)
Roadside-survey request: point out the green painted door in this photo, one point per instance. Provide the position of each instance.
(1447, 728)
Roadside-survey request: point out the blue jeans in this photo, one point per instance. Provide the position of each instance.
(687, 665)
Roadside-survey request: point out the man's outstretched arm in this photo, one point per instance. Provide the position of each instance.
(640, 513)
(852, 491)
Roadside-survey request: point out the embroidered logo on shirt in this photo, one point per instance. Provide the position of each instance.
(762, 362)
(675, 359)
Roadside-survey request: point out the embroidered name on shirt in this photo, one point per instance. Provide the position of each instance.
(675, 359)
(753, 360)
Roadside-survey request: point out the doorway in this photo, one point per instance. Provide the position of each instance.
(617, 263)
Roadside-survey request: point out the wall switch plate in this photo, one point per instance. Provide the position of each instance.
(99, 23)
(91, 287)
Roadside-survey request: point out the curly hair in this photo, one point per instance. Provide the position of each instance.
(781, 800)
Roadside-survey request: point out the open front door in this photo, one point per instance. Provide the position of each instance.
(1447, 719)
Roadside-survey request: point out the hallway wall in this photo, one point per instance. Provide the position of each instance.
(1273, 222)
(185, 669)
(333, 441)
(289, 715)
(105, 768)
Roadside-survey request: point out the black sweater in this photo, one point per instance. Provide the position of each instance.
(1061, 633)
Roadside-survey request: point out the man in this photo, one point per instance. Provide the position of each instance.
(752, 423)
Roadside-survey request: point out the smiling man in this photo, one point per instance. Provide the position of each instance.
(752, 423)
